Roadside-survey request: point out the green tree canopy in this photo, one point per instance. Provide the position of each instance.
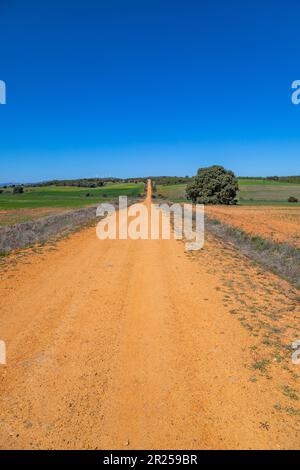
(213, 185)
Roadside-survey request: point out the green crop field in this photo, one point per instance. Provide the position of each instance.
(276, 194)
(174, 192)
(66, 197)
(261, 182)
(252, 192)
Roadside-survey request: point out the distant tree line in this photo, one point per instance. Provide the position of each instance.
(169, 180)
(282, 179)
(99, 182)
(285, 179)
(160, 180)
(79, 183)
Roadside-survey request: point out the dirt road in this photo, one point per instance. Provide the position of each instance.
(133, 345)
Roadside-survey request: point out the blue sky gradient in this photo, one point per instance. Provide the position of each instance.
(152, 87)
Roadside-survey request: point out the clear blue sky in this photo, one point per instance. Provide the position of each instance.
(129, 88)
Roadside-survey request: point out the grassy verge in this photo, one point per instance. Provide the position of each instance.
(44, 229)
(280, 258)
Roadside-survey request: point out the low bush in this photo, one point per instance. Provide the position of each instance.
(18, 190)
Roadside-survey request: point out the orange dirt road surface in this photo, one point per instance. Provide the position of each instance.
(124, 344)
(280, 224)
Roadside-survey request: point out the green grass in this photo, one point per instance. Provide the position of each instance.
(174, 192)
(261, 365)
(248, 182)
(252, 193)
(66, 197)
(268, 193)
(290, 392)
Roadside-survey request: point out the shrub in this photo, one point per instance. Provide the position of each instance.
(18, 190)
(213, 185)
(292, 199)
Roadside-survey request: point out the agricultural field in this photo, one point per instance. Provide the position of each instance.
(261, 192)
(17, 216)
(173, 192)
(252, 192)
(279, 224)
(36, 202)
(262, 209)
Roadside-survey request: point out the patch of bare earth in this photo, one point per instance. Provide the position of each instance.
(280, 224)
